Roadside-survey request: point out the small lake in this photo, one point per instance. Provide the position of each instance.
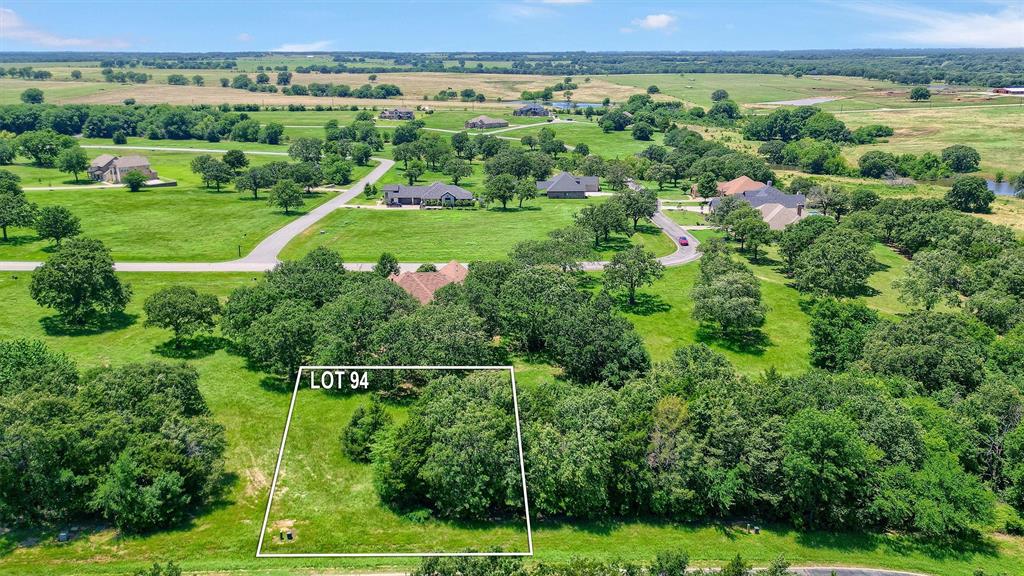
(562, 105)
(1001, 188)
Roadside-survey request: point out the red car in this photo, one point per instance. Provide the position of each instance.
(684, 241)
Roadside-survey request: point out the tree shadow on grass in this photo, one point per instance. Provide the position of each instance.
(57, 325)
(19, 240)
(753, 342)
(962, 548)
(646, 304)
(191, 348)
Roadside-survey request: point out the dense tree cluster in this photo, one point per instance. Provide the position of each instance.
(928, 166)
(133, 444)
(788, 124)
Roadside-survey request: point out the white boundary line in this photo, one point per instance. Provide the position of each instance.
(284, 438)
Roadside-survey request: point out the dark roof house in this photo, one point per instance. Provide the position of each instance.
(437, 193)
(422, 285)
(777, 208)
(565, 185)
(486, 122)
(531, 109)
(397, 114)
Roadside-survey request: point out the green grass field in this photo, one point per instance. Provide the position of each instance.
(361, 235)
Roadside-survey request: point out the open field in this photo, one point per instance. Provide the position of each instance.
(252, 408)
(442, 235)
(850, 93)
(997, 133)
(182, 223)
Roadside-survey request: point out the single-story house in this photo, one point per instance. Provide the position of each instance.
(109, 168)
(422, 285)
(735, 186)
(397, 114)
(486, 122)
(1016, 90)
(438, 192)
(565, 185)
(531, 109)
(777, 208)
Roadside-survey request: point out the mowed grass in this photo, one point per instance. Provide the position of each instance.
(252, 408)
(361, 235)
(182, 223)
(330, 502)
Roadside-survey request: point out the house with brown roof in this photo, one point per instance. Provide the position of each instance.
(486, 122)
(397, 114)
(739, 186)
(113, 169)
(777, 208)
(423, 285)
(566, 185)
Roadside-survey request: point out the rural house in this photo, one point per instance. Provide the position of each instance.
(531, 109)
(565, 185)
(777, 208)
(109, 168)
(397, 114)
(735, 186)
(1015, 90)
(437, 194)
(486, 122)
(422, 285)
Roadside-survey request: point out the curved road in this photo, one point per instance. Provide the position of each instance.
(265, 255)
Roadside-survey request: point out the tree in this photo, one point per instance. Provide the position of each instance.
(285, 194)
(387, 265)
(932, 277)
(637, 204)
(32, 96)
(57, 223)
(630, 269)
(529, 141)
(134, 180)
(7, 152)
(970, 194)
(919, 93)
(235, 159)
(826, 465)
(15, 209)
(652, 89)
(282, 339)
(877, 164)
(182, 310)
(43, 146)
(830, 198)
(270, 133)
(961, 158)
(252, 180)
(79, 281)
(642, 131)
(416, 169)
(526, 189)
(838, 263)
(755, 233)
(719, 95)
(1017, 182)
(730, 300)
(500, 188)
(359, 436)
(457, 169)
(215, 172)
(602, 220)
(799, 236)
(838, 332)
(661, 173)
(306, 150)
(72, 160)
(360, 153)
(336, 170)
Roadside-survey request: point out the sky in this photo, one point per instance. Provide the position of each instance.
(509, 25)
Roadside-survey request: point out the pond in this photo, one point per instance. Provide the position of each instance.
(1001, 188)
(562, 105)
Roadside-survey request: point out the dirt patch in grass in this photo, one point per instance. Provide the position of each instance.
(256, 481)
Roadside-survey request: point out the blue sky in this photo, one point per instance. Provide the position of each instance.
(532, 25)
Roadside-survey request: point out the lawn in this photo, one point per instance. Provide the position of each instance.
(181, 223)
(361, 235)
(252, 409)
(686, 217)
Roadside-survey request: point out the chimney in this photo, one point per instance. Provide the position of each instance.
(799, 210)
(769, 182)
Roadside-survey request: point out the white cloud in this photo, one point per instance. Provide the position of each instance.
(244, 37)
(1001, 28)
(12, 27)
(318, 46)
(656, 22)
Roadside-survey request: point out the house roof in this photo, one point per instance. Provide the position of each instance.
(131, 162)
(433, 191)
(738, 186)
(778, 216)
(403, 110)
(532, 106)
(566, 182)
(487, 120)
(768, 195)
(102, 160)
(422, 285)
